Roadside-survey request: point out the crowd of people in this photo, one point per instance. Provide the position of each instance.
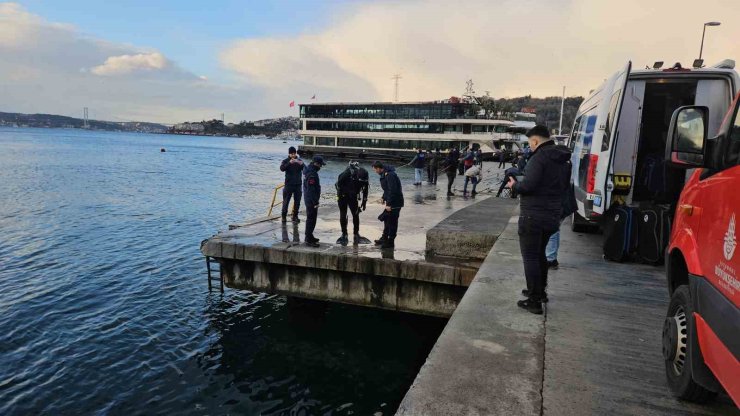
(352, 187)
(540, 178)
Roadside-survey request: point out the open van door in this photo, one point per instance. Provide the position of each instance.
(608, 177)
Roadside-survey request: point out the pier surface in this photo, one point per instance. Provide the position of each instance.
(269, 256)
(596, 351)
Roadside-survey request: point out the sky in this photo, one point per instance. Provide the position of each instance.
(171, 61)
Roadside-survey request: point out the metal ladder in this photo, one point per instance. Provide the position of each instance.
(210, 259)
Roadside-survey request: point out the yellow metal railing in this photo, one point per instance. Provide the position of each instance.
(274, 204)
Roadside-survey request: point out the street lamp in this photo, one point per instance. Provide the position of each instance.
(702, 35)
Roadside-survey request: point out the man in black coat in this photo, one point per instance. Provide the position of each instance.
(352, 185)
(546, 181)
(392, 201)
(293, 168)
(311, 196)
(449, 167)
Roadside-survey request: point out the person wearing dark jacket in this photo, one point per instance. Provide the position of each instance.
(546, 180)
(311, 196)
(449, 167)
(434, 166)
(392, 202)
(514, 171)
(418, 163)
(352, 184)
(293, 167)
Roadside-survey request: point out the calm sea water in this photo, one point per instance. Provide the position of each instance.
(104, 306)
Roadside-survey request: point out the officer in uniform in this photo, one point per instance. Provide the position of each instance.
(311, 195)
(392, 201)
(351, 185)
(292, 166)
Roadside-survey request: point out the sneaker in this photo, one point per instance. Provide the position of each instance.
(525, 293)
(381, 240)
(313, 243)
(295, 219)
(343, 240)
(553, 264)
(388, 243)
(450, 194)
(531, 306)
(473, 193)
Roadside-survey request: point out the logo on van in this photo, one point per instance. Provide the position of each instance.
(730, 240)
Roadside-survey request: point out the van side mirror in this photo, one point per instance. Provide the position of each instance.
(687, 137)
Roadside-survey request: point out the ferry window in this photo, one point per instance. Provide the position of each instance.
(610, 120)
(308, 140)
(325, 141)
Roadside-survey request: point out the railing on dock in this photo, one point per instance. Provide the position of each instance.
(274, 204)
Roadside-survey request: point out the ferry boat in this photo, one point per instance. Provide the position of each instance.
(395, 130)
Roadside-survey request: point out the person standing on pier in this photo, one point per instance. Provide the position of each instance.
(293, 167)
(546, 180)
(449, 167)
(434, 166)
(311, 196)
(352, 184)
(418, 163)
(392, 202)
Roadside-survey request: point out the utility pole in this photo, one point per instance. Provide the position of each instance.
(396, 77)
(222, 118)
(84, 116)
(562, 105)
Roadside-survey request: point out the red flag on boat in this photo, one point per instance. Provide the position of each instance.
(292, 103)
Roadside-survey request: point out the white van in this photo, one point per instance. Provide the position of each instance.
(619, 135)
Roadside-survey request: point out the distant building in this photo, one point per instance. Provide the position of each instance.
(189, 128)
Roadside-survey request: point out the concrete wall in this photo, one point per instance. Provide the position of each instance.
(472, 231)
(407, 295)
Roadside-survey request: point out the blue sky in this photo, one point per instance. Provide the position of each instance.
(172, 61)
(187, 31)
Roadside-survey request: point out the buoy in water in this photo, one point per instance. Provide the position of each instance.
(162, 150)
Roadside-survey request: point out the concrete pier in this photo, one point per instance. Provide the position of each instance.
(439, 249)
(596, 351)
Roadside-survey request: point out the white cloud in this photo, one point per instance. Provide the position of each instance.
(126, 64)
(54, 68)
(510, 47)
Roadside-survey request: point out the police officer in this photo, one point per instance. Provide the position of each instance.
(311, 195)
(292, 166)
(352, 184)
(392, 201)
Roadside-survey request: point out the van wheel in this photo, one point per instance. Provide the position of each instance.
(578, 224)
(676, 337)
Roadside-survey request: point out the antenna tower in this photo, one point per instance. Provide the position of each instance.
(396, 77)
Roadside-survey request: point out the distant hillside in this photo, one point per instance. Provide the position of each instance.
(55, 121)
(268, 127)
(547, 109)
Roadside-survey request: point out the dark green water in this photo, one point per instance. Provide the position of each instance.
(104, 306)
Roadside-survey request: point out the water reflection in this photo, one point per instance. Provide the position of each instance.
(295, 233)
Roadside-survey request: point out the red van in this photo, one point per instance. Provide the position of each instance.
(701, 333)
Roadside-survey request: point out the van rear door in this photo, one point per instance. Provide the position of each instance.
(610, 138)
